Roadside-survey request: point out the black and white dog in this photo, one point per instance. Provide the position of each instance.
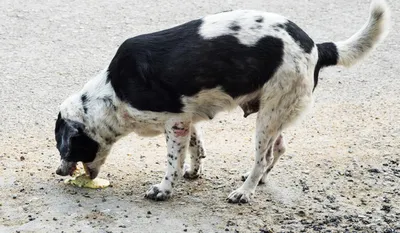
(167, 81)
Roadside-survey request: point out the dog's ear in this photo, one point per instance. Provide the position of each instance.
(73, 143)
(64, 132)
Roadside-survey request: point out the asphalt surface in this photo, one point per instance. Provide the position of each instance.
(341, 172)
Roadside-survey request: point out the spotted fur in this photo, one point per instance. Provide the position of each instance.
(168, 81)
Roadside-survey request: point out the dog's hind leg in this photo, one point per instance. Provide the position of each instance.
(266, 133)
(279, 150)
(196, 150)
(277, 111)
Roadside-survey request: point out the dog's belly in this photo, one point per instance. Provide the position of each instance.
(148, 131)
(152, 129)
(207, 103)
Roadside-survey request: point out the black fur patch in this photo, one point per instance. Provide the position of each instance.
(72, 142)
(328, 55)
(298, 35)
(192, 142)
(84, 100)
(234, 26)
(153, 71)
(250, 107)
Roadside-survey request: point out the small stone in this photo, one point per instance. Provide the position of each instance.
(86, 195)
(22, 158)
(331, 199)
(365, 221)
(148, 212)
(230, 223)
(363, 202)
(386, 208)
(374, 170)
(348, 173)
(54, 219)
(318, 199)
(266, 230)
(14, 197)
(301, 213)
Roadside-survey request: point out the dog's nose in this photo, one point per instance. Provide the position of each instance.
(60, 172)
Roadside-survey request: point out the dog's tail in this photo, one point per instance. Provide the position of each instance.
(348, 52)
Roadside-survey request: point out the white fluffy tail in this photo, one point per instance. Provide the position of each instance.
(365, 40)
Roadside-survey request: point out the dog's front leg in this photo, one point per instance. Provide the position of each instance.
(177, 136)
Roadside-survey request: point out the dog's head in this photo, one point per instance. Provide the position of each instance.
(74, 146)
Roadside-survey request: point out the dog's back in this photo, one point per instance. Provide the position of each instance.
(236, 52)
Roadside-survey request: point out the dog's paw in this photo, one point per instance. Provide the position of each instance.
(189, 173)
(158, 193)
(263, 179)
(240, 196)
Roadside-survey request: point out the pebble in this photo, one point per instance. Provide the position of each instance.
(301, 213)
(374, 170)
(386, 208)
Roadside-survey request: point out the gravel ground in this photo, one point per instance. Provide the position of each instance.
(341, 172)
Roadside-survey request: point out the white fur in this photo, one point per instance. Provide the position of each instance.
(218, 25)
(364, 41)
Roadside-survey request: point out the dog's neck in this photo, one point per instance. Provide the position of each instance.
(97, 107)
(105, 117)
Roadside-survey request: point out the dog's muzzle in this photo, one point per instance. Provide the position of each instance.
(66, 168)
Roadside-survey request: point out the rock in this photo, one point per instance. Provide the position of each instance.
(318, 199)
(386, 208)
(301, 213)
(374, 170)
(331, 199)
(266, 230)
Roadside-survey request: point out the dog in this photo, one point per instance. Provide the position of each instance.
(167, 81)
